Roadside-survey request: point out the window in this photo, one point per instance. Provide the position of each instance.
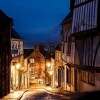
(16, 46)
(62, 75)
(59, 56)
(88, 77)
(77, 2)
(15, 52)
(56, 56)
(85, 16)
(32, 70)
(69, 46)
(91, 77)
(12, 46)
(69, 76)
(31, 61)
(63, 47)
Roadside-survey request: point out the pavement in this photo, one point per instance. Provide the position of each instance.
(59, 91)
(16, 95)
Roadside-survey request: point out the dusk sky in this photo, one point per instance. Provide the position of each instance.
(37, 21)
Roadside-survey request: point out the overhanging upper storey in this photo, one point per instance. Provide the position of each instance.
(85, 15)
(81, 2)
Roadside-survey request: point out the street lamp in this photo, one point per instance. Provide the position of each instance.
(51, 72)
(18, 66)
(47, 68)
(49, 64)
(12, 68)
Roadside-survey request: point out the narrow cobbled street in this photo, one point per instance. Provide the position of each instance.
(40, 93)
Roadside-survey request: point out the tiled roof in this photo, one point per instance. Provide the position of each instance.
(45, 53)
(14, 34)
(3, 16)
(27, 52)
(53, 56)
(58, 47)
(68, 17)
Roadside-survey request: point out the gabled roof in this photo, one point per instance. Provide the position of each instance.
(67, 18)
(58, 47)
(3, 16)
(53, 56)
(45, 53)
(14, 34)
(27, 52)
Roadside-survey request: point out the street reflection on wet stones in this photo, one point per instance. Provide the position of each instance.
(38, 94)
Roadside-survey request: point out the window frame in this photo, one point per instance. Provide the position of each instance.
(88, 77)
(84, 12)
(32, 70)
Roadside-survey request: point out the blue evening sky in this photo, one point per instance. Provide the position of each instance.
(37, 21)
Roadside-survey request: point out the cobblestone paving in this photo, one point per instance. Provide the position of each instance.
(42, 94)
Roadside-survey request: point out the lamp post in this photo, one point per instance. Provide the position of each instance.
(50, 72)
(47, 66)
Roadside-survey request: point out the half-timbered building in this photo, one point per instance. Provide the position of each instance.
(17, 63)
(85, 30)
(68, 49)
(59, 69)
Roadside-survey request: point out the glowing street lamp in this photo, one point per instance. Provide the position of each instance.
(48, 64)
(17, 66)
(51, 72)
(12, 67)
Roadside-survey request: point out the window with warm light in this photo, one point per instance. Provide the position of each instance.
(18, 66)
